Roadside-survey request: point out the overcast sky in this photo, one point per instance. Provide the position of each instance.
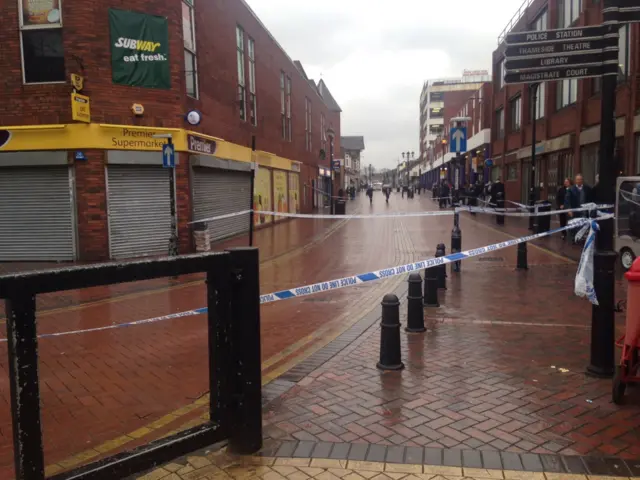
(375, 55)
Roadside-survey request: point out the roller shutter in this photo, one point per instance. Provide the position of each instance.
(139, 211)
(37, 220)
(219, 192)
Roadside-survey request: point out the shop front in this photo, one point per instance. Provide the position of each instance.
(91, 192)
(37, 207)
(323, 186)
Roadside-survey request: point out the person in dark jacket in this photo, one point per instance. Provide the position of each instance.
(560, 198)
(497, 188)
(577, 195)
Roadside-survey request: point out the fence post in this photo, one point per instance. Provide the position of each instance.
(456, 240)
(20, 307)
(430, 298)
(415, 311)
(245, 365)
(219, 331)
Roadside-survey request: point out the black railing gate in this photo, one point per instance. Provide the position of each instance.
(233, 321)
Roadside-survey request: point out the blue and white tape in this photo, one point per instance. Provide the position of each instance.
(346, 281)
(352, 280)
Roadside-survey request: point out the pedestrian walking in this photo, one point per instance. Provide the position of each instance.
(560, 198)
(577, 195)
(370, 194)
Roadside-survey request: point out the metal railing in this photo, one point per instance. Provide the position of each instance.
(514, 20)
(233, 322)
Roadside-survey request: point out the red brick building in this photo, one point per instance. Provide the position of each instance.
(94, 188)
(567, 112)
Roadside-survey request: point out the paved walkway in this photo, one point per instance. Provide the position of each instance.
(494, 389)
(109, 391)
(220, 465)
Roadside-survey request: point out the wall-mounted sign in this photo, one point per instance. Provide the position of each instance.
(77, 82)
(137, 109)
(295, 167)
(201, 145)
(80, 155)
(80, 108)
(5, 136)
(336, 165)
(193, 117)
(139, 49)
(40, 12)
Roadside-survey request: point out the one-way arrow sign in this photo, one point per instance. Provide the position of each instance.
(168, 155)
(459, 139)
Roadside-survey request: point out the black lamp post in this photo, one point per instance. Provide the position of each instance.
(331, 134)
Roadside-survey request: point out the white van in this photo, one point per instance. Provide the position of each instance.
(627, 221)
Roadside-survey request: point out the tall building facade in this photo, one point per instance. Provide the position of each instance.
(440, 100)
(92, 91)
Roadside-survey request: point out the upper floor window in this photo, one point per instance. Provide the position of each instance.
(189, 35)
(289, 124)
(500, 123)
(41, 41)
(541, 21)
(568, 12)
(436, 112)
(436, 97)
(501, 73)
(307, 124)
(624, 46)
(283, 108)
(253, 112)
(566, 92)
(515, 107)
(323, 133)
(241, 81)
(542, 93)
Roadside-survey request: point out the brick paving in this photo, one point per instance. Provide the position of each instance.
(221, 465)
(107, 391)
(104, 392)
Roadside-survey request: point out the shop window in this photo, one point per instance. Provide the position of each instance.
(42, 45)
(589, 163)
(188, 33)
(496, 172)
(512, 171)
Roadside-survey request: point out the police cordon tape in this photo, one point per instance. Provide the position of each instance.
(514, 212)
(346, 281)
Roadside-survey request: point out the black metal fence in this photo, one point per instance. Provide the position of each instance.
(233, 320)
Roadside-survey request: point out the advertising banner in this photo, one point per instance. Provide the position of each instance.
(262, 196)
(294, 193)
(40, 12)
(280, 192)
(139, 49)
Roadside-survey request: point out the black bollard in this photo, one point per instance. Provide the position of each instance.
(415, 312)
(430, 298)
(456, 240)
(390, 355)
(500, 204)
(522, 257)
(441, 269)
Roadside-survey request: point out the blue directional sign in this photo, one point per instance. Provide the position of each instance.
(458, 140)
(168, 155)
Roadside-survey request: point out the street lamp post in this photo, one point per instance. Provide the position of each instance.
(331, 134)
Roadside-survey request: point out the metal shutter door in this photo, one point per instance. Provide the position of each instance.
(219, 192)
(139, 211)
(36, 214)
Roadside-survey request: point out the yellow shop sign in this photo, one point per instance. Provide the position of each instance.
(80, 108)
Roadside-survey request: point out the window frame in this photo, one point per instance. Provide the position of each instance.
(283, 103)
(191, 49)
(241, 70)
(58, 27)
(624, 47)
(515, 117)
(572, 96)
(253, 106)
(289, 123)
(500, 133)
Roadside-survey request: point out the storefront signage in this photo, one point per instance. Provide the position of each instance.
(77, 82)
(295, 167)
(139, 49)
(201, 145)
(80, 108)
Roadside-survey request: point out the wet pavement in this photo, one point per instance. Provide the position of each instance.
(104, 392)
